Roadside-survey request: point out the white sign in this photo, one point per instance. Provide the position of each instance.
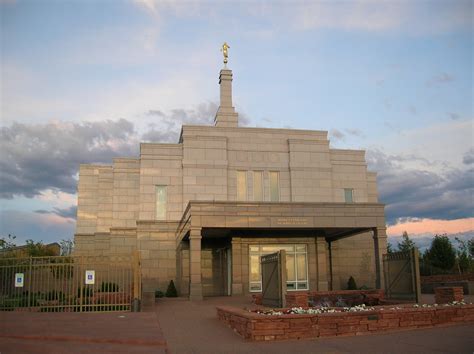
(19, 280)
(90, 277)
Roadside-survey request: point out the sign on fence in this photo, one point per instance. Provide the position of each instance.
(90, 277)
(19, 280)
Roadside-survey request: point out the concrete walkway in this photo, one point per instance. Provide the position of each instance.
(28, 332)
(192, 327)
(181, 326)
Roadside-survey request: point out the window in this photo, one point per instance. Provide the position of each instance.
(274, 186)
(161, 201)
(241, 185)
(258, 186)
(348, 195)
(296, 265)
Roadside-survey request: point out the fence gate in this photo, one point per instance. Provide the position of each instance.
(274, 279)
(402, 275)
(70, 283)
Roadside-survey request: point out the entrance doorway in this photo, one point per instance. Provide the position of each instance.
(215, 265)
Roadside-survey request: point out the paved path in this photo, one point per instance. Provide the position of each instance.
(25, 332)
(192, 327)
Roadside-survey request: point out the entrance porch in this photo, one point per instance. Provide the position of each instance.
(218, 242)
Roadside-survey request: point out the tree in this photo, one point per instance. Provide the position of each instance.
(351, 283)
(7, 243)
(389, 248)
(38, 249)
(66, 247)
(441, 253)
(407, 244)
(171, 291)
(464, 256)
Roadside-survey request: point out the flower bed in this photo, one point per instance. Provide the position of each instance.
(336, 298)
(298, 323)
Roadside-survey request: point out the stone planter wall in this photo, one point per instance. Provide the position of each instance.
(444, 295)
(257, 327)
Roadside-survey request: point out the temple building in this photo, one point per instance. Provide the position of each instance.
(203, 210)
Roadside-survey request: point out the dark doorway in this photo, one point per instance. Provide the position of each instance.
(215, 262)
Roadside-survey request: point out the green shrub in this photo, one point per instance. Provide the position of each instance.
(351, 284)
(171, 291)
(86, 292)
(159, 293)
(106, 287)
(54, 295)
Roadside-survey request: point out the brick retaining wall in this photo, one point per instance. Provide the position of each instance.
(444, 295)
(258, 327)
(442, 278)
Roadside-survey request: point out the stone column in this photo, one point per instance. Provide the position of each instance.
(226, 115)
(237, 287)
(195, 284)
(321, 254)
(380, 246)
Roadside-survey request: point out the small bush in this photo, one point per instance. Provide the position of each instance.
(351, 284)
(159, 293)
(54, 295)
(106, 287)
(171, 291)
(86, 292)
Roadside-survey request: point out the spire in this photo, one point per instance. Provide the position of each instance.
(226, 115)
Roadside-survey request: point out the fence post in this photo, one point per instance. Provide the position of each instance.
(81, 281)
(29, 283)
(136, 282)
(416, 274)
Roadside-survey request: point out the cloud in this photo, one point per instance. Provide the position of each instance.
(453, 116)
(67, 213)
(168, 125)
(43, 159)
(430, 226)
(37, 157)
(439, 79)
(419, 193)
(468, 157)
(47, 227)
(383, 16)
(338, 135)
(412, 109)
(356, 15)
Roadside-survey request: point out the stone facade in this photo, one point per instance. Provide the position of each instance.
(262, 186)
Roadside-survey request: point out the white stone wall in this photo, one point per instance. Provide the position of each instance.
(125, 192)
(204, 165)
(161, 164)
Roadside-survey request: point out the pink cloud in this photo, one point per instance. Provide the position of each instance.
(424, 226)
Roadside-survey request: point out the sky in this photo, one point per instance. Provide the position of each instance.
(86, 81)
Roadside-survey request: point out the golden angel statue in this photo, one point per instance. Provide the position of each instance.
(224, 51)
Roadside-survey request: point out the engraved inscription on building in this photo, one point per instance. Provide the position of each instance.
(292, 221)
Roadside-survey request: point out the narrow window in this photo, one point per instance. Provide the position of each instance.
(348, 195)
(274, 186)
(258, 186)
(161, 201)
(241, 185)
